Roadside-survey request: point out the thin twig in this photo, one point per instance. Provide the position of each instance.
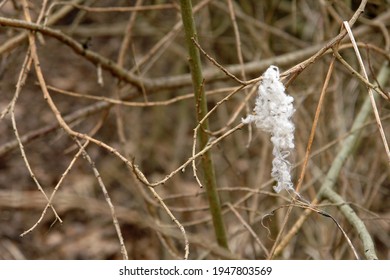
(139, 104)
(165, 42)
(310, 208)
(42, 82)
(55, 191)
(59, 183)
(249, 228)
(107, 198)
(199, 126)
(21, 80)
(223, 69)
(135, 8)
(370, 93)
(336, 40)
(375, 87)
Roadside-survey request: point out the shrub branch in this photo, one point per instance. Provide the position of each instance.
(201, 111)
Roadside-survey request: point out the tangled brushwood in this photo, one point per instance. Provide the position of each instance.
(272, 114)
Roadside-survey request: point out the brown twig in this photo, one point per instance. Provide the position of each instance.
(53, 107)
(249, 228)
(370, 93)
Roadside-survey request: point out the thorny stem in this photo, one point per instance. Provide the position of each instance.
(53, 107)
(201, 111)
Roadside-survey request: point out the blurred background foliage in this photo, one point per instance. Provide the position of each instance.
(160, 138)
